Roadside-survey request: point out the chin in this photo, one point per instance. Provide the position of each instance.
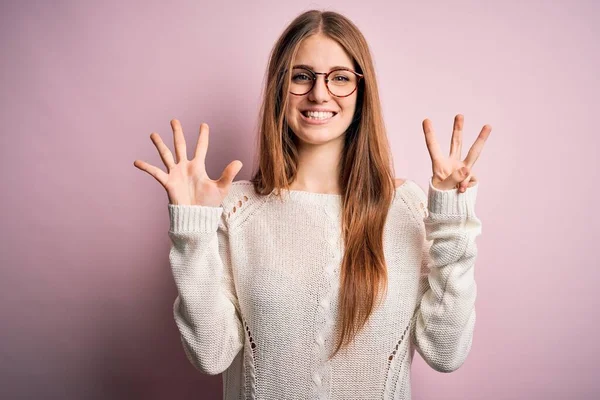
(317, 135)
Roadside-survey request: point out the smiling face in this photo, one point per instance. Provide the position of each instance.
(321, 54)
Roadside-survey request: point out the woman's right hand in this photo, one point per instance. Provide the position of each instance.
(186, 182)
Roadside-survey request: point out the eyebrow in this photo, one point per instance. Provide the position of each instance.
(311, 68)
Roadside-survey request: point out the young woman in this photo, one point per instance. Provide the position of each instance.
(320, 276)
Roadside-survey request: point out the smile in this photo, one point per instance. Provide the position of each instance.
(317, 118)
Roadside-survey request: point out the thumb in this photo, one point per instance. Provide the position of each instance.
(456, 177)
(230, 172)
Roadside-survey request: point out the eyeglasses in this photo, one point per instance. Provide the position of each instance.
(340, 82)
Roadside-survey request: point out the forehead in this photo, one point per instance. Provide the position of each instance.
(322, 53)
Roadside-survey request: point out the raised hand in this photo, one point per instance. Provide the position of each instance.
(452, 172)
(186, 182)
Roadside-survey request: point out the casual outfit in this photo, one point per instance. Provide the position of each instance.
(258, 281)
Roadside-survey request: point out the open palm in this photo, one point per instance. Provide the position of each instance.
(450, 172)
(186, 182)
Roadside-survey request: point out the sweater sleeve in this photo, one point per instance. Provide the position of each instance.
(206, 309)
(445, 315)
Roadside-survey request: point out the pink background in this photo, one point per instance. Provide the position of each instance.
(86, 292)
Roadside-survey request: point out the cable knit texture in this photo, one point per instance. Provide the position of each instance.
(258, 283)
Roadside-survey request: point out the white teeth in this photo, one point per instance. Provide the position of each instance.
(319, 114)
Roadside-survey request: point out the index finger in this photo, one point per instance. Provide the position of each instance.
(432, 144)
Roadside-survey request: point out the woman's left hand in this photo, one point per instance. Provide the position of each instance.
(450, 172)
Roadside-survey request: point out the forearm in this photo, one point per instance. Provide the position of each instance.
(445, 320)
(205, 309)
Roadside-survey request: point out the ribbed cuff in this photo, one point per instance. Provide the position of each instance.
(194, 218)
(451, 201)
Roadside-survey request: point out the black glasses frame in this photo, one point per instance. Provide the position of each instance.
(359, 76)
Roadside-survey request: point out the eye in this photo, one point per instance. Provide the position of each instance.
(301, 77)
(341, 78)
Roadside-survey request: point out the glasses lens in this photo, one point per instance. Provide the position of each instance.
(302, 81)
(341, 82)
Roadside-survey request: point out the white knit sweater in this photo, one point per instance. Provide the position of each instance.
(258, 281)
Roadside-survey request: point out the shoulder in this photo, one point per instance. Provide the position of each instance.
(410, 189)
(412, 196)
(240, 192)
(242, 202)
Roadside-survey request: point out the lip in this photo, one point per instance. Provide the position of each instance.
(317, 121)
(318, 109)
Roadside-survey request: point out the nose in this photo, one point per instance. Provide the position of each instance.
(319, 92)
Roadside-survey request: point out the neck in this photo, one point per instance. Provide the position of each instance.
(318, 167)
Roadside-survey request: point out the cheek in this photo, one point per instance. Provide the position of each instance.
(349, 107)
(292, 108)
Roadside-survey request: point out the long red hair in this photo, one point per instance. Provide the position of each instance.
(366, 177)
